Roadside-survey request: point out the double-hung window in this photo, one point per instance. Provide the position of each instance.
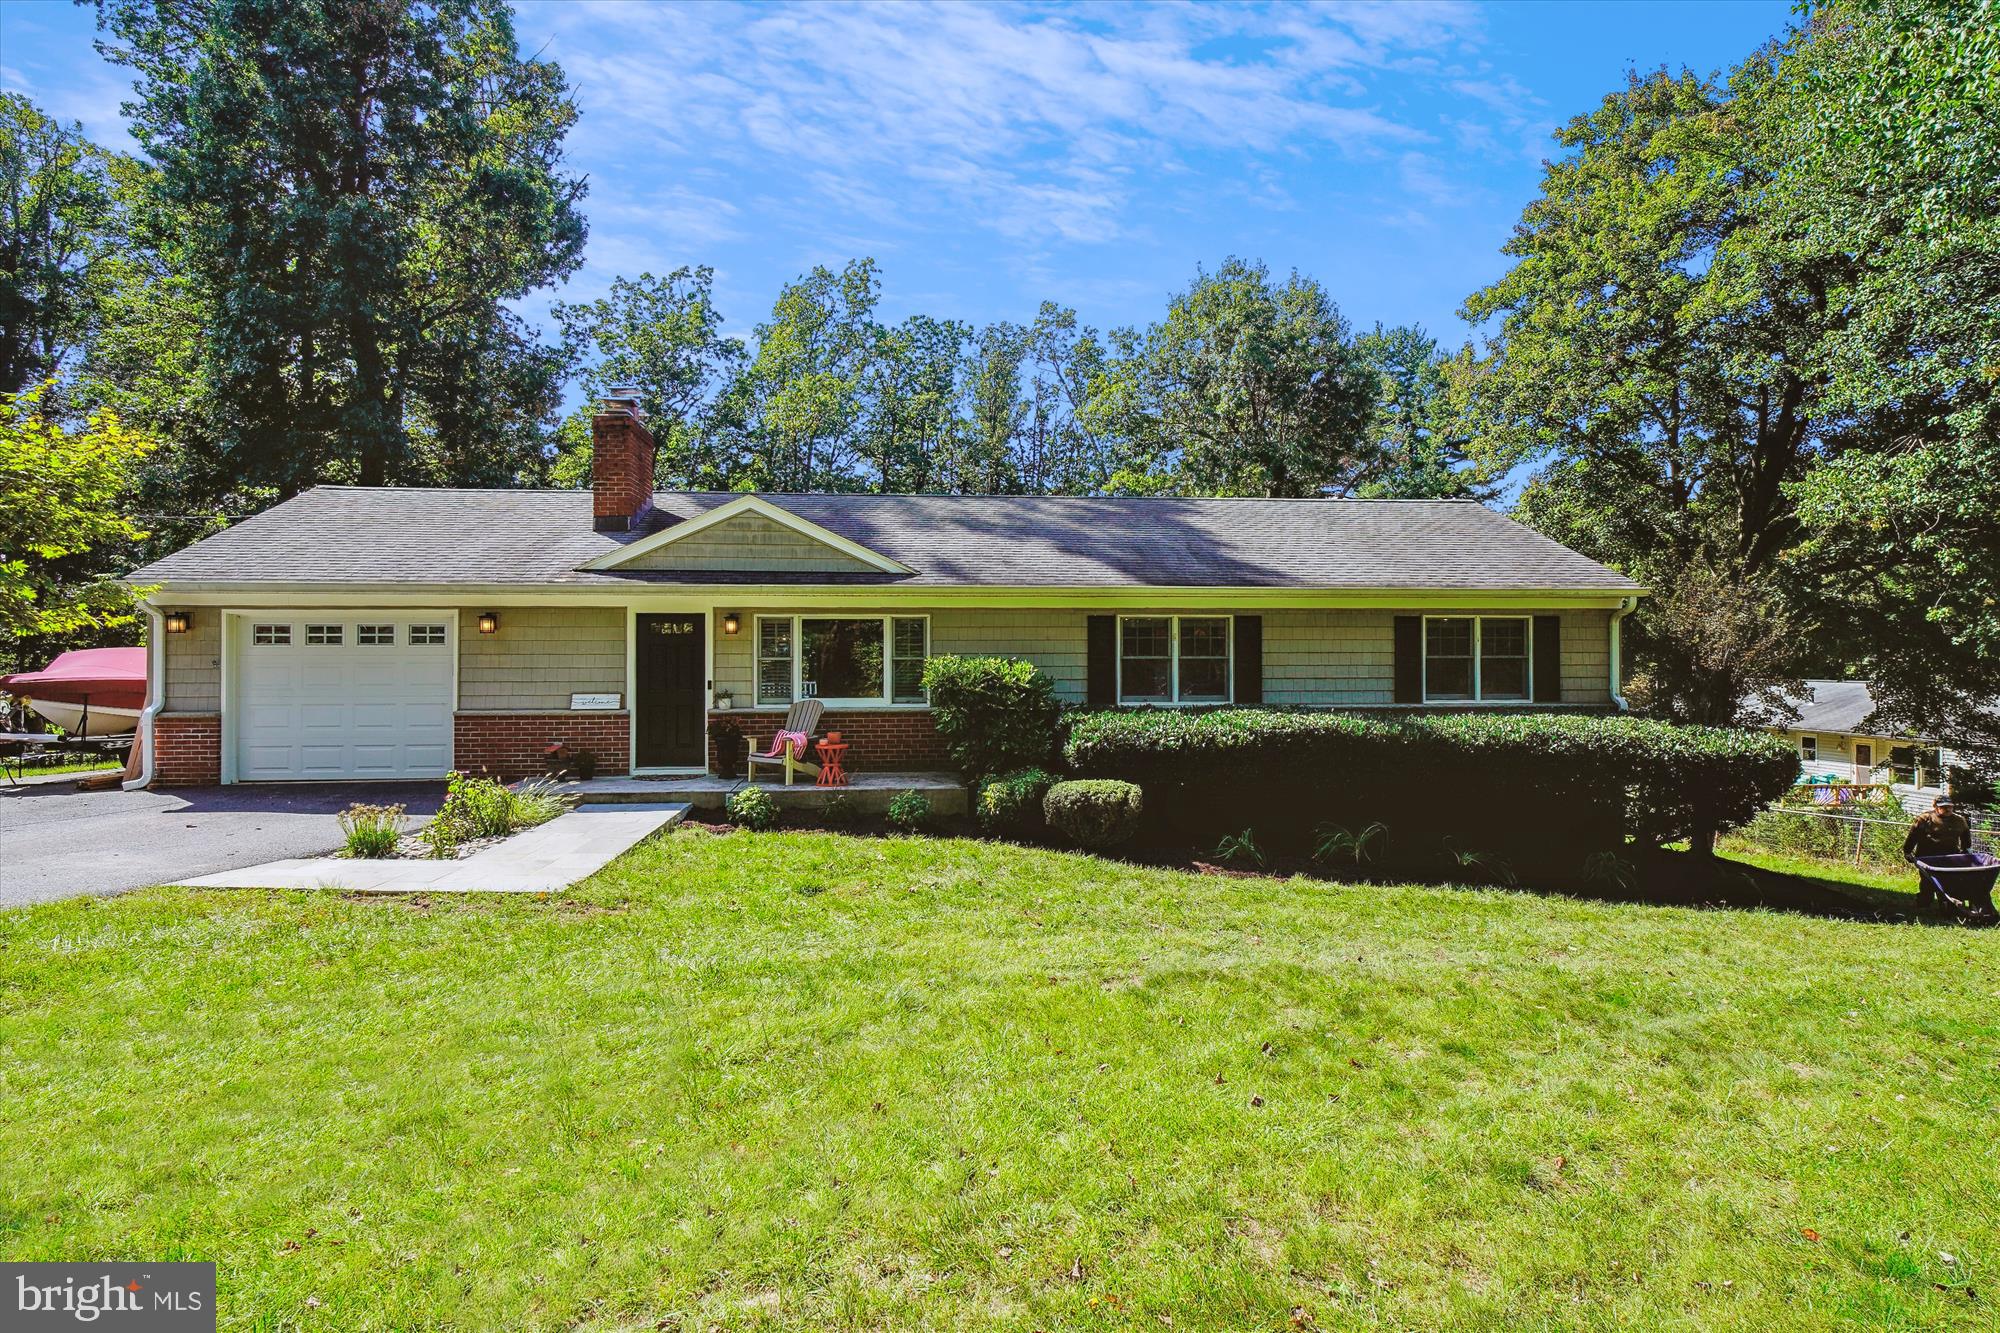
(847, 661)
(1478, 659)
(1809, 749)
(1174, 659)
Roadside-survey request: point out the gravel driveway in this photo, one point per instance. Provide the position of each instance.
(56, 841)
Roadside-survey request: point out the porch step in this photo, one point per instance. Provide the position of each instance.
(866, 793)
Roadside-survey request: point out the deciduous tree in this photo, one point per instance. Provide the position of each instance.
(63, 530)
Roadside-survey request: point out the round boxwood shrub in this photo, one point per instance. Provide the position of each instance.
(909, 811)
(753, 808)
(996, 714)
(1012, 802)
(1094, 812)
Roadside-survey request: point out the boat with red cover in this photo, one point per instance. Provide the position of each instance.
(87, 692)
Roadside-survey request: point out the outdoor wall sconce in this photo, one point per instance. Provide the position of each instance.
(731, 622)
(177, 622)
(489, 622)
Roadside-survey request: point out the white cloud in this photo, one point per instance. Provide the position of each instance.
(1031, 123)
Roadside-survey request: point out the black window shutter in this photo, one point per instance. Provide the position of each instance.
(1548, 660)
(1409, 659)
(1101, 661)
(1249, 659)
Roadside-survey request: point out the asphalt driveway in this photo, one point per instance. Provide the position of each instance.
(56, 841)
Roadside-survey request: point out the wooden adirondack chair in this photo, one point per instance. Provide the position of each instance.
(803, 717)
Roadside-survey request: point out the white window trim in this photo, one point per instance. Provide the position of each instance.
(1809, 749)
(1478, 698)
(886, 699)
(1174, 662)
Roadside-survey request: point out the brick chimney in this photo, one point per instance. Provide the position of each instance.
(621, 463)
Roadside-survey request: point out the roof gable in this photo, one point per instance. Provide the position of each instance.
(749, 534)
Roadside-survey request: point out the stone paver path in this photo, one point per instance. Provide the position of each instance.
(541, 860)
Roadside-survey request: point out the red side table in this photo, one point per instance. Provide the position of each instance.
(831, 753)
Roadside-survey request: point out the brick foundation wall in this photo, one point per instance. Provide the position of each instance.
(879, 740)
(187, 749)
(515, 745)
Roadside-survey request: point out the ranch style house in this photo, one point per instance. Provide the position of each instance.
(393, 633)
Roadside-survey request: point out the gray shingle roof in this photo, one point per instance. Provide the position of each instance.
(1832, 705)
(403, 536)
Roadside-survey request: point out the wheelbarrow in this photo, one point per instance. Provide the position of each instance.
(1962, 879)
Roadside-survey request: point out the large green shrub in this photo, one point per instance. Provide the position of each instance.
(1545, 787)
(1012, 802)
(996, 714)
(1094, 812)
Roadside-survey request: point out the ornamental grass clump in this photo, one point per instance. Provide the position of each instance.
(371, 831)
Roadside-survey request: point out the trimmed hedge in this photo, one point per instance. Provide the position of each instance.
(996, 714)
(1094, 812)
(1012, 803)
(1548, 786)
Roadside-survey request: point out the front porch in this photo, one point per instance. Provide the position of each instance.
(867, 793)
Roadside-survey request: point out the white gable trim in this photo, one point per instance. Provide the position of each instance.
(750, 504)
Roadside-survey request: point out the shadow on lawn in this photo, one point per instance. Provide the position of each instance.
(1664, 879)
(1681, 879)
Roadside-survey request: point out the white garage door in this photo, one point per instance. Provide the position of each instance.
(355, 696)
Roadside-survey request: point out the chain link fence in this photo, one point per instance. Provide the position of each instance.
(1863, 832)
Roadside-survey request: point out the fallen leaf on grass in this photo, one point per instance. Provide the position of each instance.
(1809, 1233)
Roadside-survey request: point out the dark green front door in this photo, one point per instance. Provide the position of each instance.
(671, 692)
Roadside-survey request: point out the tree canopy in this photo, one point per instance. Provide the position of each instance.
(323, 164)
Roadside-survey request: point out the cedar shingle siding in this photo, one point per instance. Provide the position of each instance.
(750, 542)
(540, 656)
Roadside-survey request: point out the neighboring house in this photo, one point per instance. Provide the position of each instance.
(1835, 741)
(399, 633)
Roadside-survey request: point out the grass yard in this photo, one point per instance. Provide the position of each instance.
(800, 1080)
(90, 765)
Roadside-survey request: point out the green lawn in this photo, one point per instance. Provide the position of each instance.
(804, 1080)
(90, 765)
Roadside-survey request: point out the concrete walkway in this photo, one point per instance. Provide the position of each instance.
(541, 860)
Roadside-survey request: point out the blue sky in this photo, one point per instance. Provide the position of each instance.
(994, 157)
